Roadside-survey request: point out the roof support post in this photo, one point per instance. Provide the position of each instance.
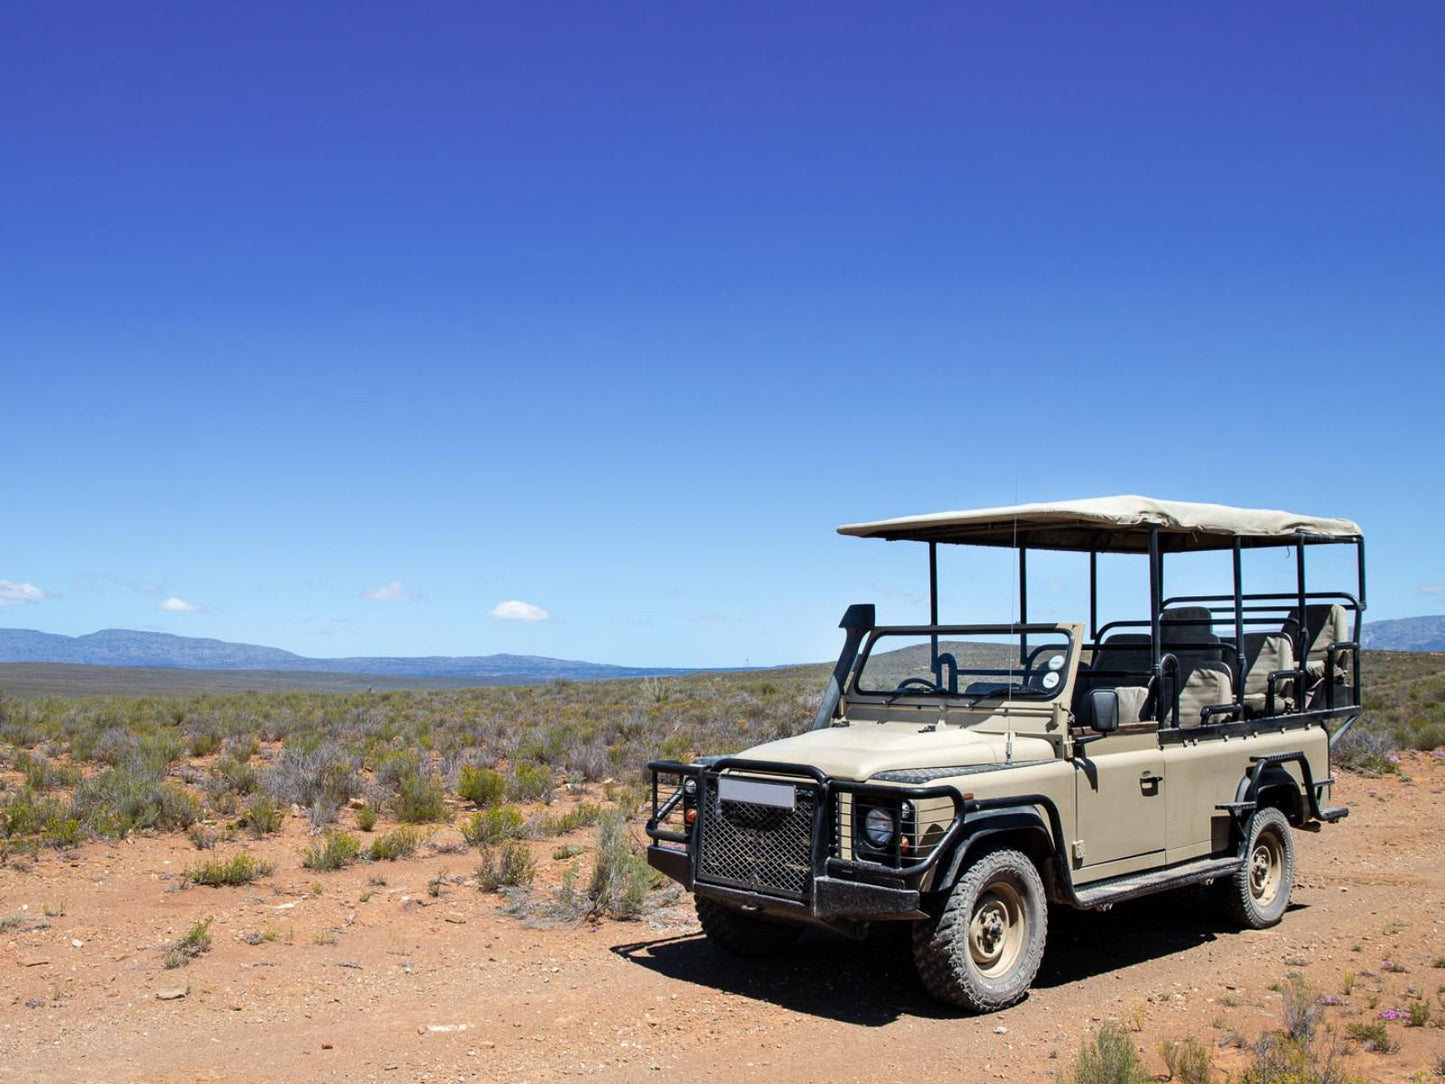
(1093, 594)
(1156, 593)
(1239, 623)
(1023, 603)
(933, 610)
(1360, 559)
(1302, 625)
(933, 583)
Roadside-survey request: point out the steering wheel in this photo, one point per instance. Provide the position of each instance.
(922, 682)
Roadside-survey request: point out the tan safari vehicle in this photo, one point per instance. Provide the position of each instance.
(962, 777)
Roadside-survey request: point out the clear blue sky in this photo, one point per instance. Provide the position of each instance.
(333, 326)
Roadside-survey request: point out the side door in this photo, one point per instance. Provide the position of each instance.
(1205, 767)
(1120, 792)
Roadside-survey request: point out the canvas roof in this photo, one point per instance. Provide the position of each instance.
(1111, 525)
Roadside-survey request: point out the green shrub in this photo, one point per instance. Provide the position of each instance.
(530, 783)
(366, 818)
(510, 867)
(420, 800)
(317, 774)
(239, 869)
(201, 837)
(263, 816)
(202, 743)
(584, 815)
(1373, 1036)
(398, 843)
(238, 775)
(1188, 1061)
(482, 786)
(131, 795)
(620, 879)
(1108, 1058)
(490, 826)
(1300, 1010)
(334, 851)
(196, 943)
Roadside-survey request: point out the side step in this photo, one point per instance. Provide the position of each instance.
(1117, 889)
(1334, 813)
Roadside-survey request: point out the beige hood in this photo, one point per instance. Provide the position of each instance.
(861, 751)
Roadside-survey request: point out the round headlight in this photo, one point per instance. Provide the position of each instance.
(878, 827)
(689, 786)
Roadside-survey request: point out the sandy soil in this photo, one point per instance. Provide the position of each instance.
(383, 982)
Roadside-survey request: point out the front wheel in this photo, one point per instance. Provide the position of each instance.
(1258, 893)
(743, 935)
(983, 949)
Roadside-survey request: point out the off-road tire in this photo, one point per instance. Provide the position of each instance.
(744, 935)
(1258, 893)
(983, 949)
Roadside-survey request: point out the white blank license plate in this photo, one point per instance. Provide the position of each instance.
(777, 795)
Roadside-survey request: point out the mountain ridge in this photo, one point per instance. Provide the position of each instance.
(1405, 634)
(163, 650)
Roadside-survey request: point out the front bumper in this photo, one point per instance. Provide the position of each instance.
(831, 898)
(833, 885)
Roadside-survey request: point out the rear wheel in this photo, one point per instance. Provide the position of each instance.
(983, 949)
(1258, 893)
(741, 934)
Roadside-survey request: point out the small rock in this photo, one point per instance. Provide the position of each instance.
(1000, 1030)
(172, 993)
(76, 942)
(326, 1046)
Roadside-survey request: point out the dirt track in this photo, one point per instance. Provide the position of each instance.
(384, 982)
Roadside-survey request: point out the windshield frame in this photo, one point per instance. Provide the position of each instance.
(936, 632)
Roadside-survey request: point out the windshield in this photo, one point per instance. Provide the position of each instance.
(1028, 665)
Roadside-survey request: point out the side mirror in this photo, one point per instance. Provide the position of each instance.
(1103, 711)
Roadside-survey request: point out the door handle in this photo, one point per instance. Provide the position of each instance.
(1149, 782)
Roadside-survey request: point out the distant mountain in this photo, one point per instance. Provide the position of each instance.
(1406, 634)
(159, 650)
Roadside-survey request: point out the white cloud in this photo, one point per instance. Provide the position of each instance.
(1436, 589)
(175, 605)
(512, 610)
(392, 592)
(18, 594)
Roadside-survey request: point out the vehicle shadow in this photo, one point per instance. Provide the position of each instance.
(872, 983)
(869, 983)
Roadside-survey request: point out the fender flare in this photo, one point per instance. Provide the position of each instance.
(1273, 778)
(987, 824)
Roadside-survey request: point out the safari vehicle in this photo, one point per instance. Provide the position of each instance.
(962, 777)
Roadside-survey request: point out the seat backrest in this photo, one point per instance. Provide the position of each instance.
(1264, 653)
(1123, 660)
(1188, 633)
(1325, 624)
(1209, 683)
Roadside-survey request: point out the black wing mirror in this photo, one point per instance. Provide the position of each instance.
(1103, 711)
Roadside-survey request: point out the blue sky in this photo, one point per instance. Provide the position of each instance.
(334, 326)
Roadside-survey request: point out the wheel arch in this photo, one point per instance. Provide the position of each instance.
(1023, 830)
(1278, 790)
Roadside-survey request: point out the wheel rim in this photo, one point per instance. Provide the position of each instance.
(997, 929)
(1266, 868)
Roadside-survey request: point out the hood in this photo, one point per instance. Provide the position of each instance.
(861, 751)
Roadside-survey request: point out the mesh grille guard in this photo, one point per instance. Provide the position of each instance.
(758, 847)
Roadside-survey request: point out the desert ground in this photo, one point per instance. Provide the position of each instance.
(406, 970)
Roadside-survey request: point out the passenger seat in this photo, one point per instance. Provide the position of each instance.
(1204, 679)
(1264, 653)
